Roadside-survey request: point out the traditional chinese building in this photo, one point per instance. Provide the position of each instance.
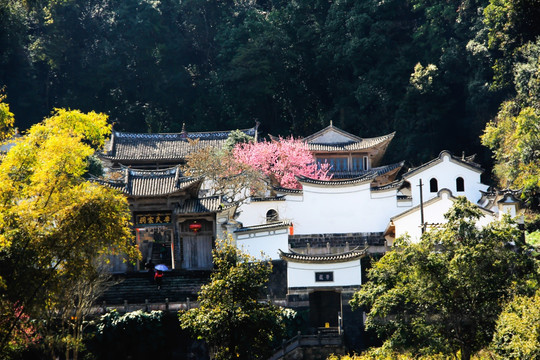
(334, 223)
(174, 226)
(348, 155)
(318, 235)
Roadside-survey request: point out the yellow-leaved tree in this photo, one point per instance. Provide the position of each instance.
(54, 225)
(6, 119)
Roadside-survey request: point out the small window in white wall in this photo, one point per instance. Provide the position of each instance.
(272, 216)
(433, 185)
(366, 163)
(460, 184)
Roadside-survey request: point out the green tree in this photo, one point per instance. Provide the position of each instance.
(517, 334)
(237, 137)
(514, 138)
(511, 24)
(230, 318)
(445, 293)
(53, 223)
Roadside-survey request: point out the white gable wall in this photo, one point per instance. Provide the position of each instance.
(330, 137)
(354, 208)
(446, 172)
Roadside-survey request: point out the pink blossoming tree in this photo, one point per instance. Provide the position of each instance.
(282, 159)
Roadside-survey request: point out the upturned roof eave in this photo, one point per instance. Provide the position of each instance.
(352, 255)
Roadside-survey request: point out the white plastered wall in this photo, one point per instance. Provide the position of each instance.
(349, 208)
(263, 244)
(344, 274)
(254, 212)
(446, 172)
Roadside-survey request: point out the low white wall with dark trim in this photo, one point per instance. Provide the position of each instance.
(344, 273)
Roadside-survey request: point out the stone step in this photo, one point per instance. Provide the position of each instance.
(138, 287)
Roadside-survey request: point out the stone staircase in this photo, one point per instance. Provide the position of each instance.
(136, 288)
(311, 347)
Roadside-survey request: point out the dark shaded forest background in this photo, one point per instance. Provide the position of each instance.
(435, 71)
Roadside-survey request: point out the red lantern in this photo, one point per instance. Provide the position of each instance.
(195, 227)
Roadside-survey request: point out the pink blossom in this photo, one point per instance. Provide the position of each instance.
(283, 159)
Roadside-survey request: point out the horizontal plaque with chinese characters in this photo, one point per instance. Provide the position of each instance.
(324, 276)
(153, 219)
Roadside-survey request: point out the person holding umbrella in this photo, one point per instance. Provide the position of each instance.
(158, 276)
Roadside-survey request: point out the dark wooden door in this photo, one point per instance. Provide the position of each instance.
(324, 307)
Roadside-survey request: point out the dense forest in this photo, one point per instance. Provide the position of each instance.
(434, 71)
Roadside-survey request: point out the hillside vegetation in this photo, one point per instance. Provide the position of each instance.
(434, 71)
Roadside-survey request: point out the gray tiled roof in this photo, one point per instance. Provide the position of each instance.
(268, 198)
(163, 147)
(363, 176)
(330, 258)
(493, 196)
(273, 225)
(352, 145)
(150, 183)
(467, 161)
(357, 180)
(286, 190)
(200, 206)
(393, 185)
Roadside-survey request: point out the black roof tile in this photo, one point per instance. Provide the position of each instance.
(163, 147)
(150, 183)
(327, 258)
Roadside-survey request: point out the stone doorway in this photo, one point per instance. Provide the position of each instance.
(324, 308)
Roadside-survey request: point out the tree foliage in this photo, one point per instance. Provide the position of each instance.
(291, 65)
(135, 334)
(510, 24)
(225, 176)
(230, 318)
(517, 334)
(444, 294)
(6, 119)
(514, 138)
(513, 135)
(138, 335)
(237, 137)
(53, 223)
